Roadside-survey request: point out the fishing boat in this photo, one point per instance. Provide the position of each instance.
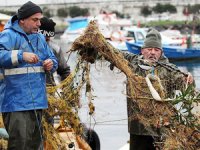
(172, 52)
(75, 28)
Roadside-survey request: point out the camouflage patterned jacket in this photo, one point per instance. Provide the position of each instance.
(174, 79)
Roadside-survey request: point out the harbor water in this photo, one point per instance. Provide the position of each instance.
(108, 88)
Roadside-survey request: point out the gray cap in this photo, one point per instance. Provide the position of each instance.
(153, 39)
(27, 10)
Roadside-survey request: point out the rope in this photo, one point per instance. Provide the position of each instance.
(102, 122)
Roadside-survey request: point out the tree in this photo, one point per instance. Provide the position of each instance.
(46, 12)
(195, 9)
(170, 8)
(62, 12)
(77, 11)
(145, 11)
(158, 8)
(85, 11)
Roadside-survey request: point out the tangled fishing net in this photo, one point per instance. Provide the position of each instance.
(3, 141)
(181, 131)
(65, 105)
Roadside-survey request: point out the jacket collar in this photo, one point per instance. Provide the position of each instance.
(13, 23)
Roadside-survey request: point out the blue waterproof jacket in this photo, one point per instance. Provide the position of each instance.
(22, 85)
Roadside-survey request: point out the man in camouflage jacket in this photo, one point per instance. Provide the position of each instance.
(141, 136)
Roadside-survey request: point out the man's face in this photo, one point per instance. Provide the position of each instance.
(31, 24)
(151, 54)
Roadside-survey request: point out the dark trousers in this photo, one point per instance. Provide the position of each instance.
(24, 130)
(141, 142)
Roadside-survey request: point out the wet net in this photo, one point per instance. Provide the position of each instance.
(180, 132)
(64, 102)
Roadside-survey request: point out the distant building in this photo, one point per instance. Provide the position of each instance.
(128, 7)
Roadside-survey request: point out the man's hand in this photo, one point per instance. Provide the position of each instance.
(48, 64)
(30, 57)
(189, 79)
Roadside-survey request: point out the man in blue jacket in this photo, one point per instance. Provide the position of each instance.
(24, 59)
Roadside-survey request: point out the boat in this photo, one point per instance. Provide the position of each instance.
(172, 52)
(137, 35)
(108, 25)
(75, 28)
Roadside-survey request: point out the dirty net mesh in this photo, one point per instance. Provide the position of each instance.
(151, 112)
(165, 88)
(159, 115)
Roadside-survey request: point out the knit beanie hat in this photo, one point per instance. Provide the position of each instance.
(27, 10)
(47, 27)
(153, 39)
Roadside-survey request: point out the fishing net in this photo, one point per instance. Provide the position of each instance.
(63, 101)
(179, 133)
(64, 104)
(141, 90)
(3, 142)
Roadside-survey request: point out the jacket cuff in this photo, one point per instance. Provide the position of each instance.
(20, 56)
(55, 66)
